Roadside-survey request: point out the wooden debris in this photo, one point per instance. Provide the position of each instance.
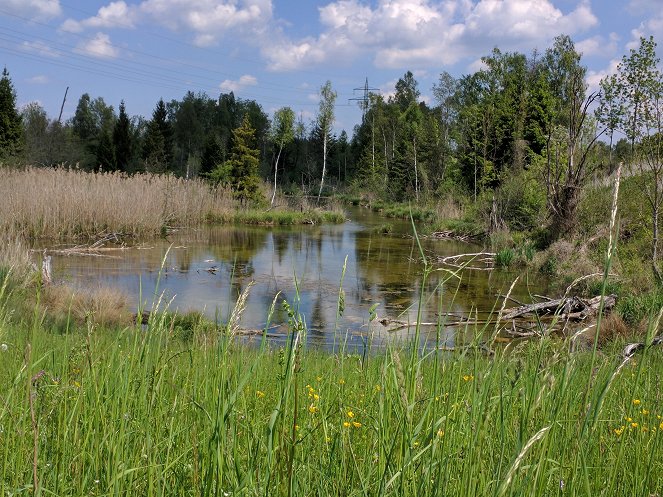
(451, 235)
(479, 261)
(46, 269)
(572, 308)
(630, 350)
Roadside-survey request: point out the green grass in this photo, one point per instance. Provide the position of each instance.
(280, 217)
(143, 412)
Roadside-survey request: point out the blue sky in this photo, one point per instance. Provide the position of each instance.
(281, 52)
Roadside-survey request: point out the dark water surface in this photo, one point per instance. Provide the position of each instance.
(206, 269)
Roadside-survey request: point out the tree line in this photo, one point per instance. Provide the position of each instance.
(519, 137)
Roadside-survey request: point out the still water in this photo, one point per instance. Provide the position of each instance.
(207, 269)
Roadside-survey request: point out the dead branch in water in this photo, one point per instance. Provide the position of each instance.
(570, 308)
(450, 235)
(462, 261)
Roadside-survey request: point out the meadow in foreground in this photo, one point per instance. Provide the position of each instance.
(142, 411)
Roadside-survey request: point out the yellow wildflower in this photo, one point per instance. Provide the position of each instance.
(644, 412)
(619, 431)
(468, 377)
(356, 424)
(316, 396)
(341, 381)
(378, 388)
(440, 433)
(313, 409)
(634, 425)
(660, 427)
(260, 394)
(636, 402)
(351, 414)
(346, 424)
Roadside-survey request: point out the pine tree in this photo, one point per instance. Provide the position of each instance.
(213, 154)
(11, 131)
(158, 145)
(122, 140)
(244, 160)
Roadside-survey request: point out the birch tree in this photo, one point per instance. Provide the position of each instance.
(638, 89)
(283, 133)
(325, 122)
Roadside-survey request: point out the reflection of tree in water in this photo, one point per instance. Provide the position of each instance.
(385, 263)
(237, 247)
(280, 244)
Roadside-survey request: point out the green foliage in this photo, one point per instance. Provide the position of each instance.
(505, 257)
(157, 152)
(122, 142)
(384, 229)
(635, 308)
(11, 130)
(243, 164)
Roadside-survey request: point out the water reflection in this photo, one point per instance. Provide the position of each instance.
(207, 269)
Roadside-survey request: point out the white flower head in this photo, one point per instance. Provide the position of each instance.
(4, 347)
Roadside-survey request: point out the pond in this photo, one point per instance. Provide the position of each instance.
(207, 269)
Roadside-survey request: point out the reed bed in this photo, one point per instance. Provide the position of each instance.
(56, 203)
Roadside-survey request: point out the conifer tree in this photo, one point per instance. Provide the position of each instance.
(158, 145)
(122, 140)
(244, 160)
(11, 131)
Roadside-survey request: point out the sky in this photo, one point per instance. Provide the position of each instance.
(280, 52)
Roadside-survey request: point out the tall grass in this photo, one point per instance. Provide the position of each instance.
(143, 413)
(58, 203)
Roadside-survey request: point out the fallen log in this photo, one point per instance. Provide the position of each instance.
(572, 308)
(632, 348)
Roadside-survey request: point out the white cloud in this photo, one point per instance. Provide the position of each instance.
(234, 86)
(207, 20)
(593, 78)
(38, 80)
(40, 48)
(598, 45)
(34, 9)
(100, 46)
(114, 15)
(415, 33)
(653, 26)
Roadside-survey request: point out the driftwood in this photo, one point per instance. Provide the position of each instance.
(450, 235)
(462, 261)
(632, 348)
(572, 308)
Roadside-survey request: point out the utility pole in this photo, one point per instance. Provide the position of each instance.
(364, 100)
(62, 107)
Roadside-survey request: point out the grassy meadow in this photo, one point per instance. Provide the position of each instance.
(145, 411)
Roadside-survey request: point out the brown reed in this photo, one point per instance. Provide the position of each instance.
(67, 202)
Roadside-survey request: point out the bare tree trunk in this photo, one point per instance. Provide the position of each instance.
(416, 175)
(324, 165)
(276, 168)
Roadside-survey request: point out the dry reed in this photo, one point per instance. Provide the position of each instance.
(55, 203)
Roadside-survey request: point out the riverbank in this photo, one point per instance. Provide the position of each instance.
(578, 254)
(142, 411)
